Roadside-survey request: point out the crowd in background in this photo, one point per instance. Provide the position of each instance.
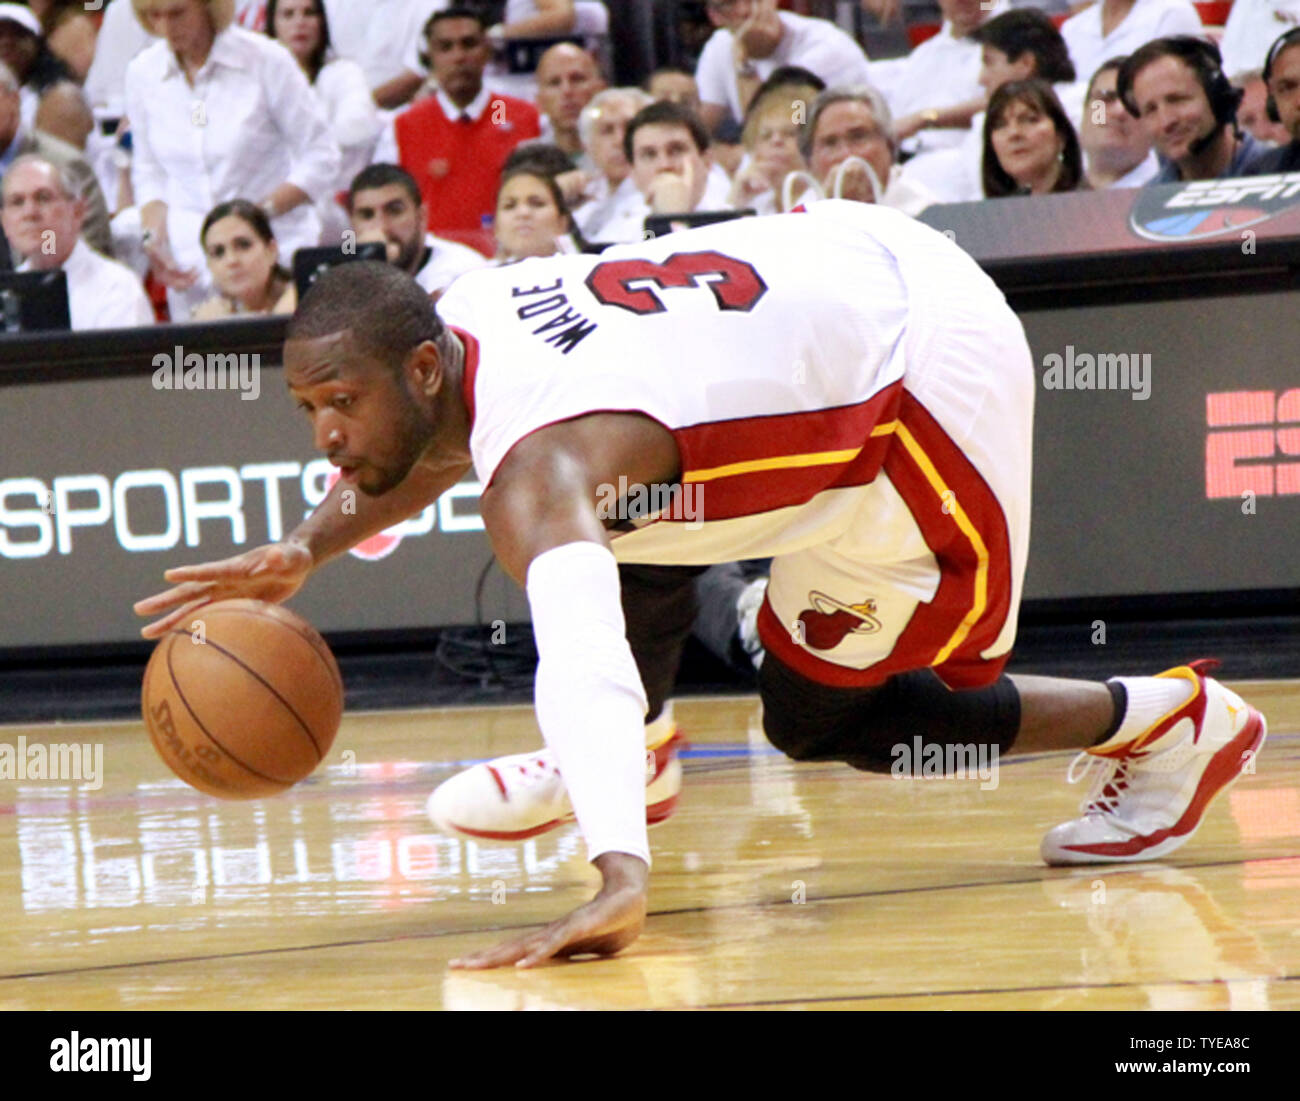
(171, 156)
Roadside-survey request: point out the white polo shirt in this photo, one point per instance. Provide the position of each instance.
(1253, 26)
(102, 294)
(1149, 19)
(816, 44)
(446, 261)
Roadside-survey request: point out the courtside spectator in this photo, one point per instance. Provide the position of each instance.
(752, 39)
(16, 140)
(602, 125)
(1282, 67)
(771, 140)
(668, 149)
(42, 216)
(218, 113)
(532, 218)
(385, 205)
(1176, 88)
(1030, 146)
(849, 145)
(1252, 113)
(455, 143)
(1116, 149)
(1112, 28)
(934, 92)
(1251, 28)
(244, 260)
(1016, 45)
(302, 27)
(567, 78)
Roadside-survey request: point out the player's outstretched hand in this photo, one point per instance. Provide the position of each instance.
(605, 925)
(271, 573)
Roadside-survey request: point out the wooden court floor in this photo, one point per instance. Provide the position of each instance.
(775, 885)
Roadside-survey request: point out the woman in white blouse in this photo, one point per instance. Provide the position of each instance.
(218, 113)
(302, 27)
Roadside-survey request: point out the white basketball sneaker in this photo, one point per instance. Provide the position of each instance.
(518, 797)
(1154, 788)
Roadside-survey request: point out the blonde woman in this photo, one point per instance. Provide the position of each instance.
(219, 113)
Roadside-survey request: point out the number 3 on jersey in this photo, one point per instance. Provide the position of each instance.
(735, 284)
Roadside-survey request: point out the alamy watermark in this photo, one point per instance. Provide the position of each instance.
(82, 762)
(624, 501)
(178, 370)
(922, 760)
(1103, 371)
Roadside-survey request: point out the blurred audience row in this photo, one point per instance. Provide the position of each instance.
(226, 136)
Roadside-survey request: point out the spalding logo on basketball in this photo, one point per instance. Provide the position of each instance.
(377, 546)
(833, 621)
(1212, 208)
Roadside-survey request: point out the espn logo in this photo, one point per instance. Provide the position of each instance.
(1244, 458)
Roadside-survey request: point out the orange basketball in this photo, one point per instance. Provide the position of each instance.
(244, 700)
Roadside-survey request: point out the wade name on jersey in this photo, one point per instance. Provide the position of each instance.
(553, 301)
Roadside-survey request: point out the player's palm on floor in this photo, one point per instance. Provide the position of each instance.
(272, 573)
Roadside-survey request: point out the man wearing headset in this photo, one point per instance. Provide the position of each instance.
(1176, 88)
(1282, 78)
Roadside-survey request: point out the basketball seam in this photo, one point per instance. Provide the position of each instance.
(256, 676)
(311, 639)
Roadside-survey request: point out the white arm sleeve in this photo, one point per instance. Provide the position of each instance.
(590, 702)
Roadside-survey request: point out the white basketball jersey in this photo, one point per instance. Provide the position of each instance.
(775, 349)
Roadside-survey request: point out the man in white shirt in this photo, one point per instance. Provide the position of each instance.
(384, 205)
(1117, 151)
(1113, 28)
(752, 40)
(1252, 27)
(42, 218)
(380, 36)
(668, 150)
(935, 91)
(853, 125)
(567, 78)
(601, 125)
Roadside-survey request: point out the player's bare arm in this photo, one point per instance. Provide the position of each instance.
(544, 497)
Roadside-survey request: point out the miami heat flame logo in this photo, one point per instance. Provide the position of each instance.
(830, 621)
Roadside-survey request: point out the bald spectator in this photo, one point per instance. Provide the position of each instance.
(1112, 28)
(567, 78)
(668, 149)
(752, 39)
(602, 124)
(1116, 149)
(1253, 115)
(675, 86)
(42, 216)
(1176, 88)
(849, 145)
(16, 140)
(455, 142)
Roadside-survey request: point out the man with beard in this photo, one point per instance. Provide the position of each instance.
(384, 205)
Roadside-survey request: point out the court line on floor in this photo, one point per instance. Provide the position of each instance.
(508, 929)
(982, 992)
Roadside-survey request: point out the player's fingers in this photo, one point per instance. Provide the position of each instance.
(180, 594)
(224, 570)
(160, 627)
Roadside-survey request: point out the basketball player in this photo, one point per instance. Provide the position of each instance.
(842, 389)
